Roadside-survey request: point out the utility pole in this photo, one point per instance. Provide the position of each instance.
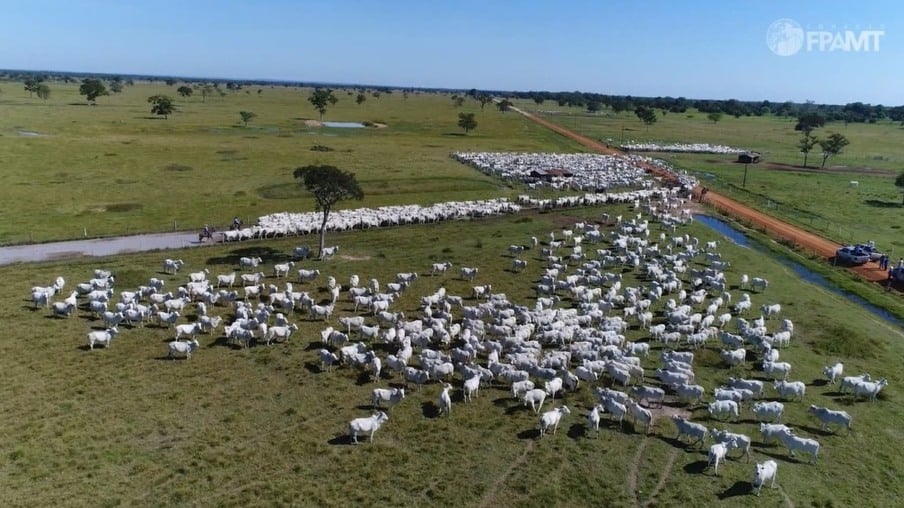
(744, 184)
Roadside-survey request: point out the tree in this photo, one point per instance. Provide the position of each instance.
(504, 105)
(161, 105)
(32, 83)
(899, 183)
(43, 91)
(832, 146)
(538, 100)
(715, 116)
(809, 120)
(247, 116)
(92, 89)
(646, 115)
(484, 99)
(321, 99)
(360, 98)
(116, 86)
(458, 101)
(466, 121)
(185, 91)
(205, 91)
(169, 81)
(329, 185)
(806, 144)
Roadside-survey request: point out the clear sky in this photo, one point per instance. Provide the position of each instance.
(695, 49)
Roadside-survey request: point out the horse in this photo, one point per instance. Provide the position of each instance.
(206, 233)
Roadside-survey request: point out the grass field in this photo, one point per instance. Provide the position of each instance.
(820, 201)
(115, 169)
(125, 426)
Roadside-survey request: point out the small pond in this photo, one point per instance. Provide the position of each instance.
(344, 125)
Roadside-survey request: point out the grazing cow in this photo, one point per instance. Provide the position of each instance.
(869, 389)
(800, 444)
(723, 409)
(327, 360)
(101, 337)
(771, 431)
(689, 428)
(638, 413)
(249, 262)
(828, 417)
(742, 441)
(790, 390)
(468, 273)
(552, 418)
(717, 453)
(387, 397)
(768, 411)
(179, 348)
(762, 473)
(440, 268)
(833, 372)
(445, 401)
(366, 425)
(593, 419)
(535, 398)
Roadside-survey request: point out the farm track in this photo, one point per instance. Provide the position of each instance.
(777, 229)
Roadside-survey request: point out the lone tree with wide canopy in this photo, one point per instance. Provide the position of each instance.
(329, 185)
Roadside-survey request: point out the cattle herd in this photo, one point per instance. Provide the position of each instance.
(540, 351)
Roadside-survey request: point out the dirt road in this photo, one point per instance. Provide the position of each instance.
(804, 240)
(97, 247)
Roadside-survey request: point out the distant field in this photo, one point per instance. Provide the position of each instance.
(114, 168)
(264, 426)
(820, 201)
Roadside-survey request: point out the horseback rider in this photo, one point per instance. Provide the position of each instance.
(236, 222)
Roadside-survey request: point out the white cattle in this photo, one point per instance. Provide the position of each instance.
(553, 386)
(790, 390)
(199, 276)
(329, 251)
(468, 273)
(303, 252)
(252, 279)
(249, 262)
(282, 269)
(847, 384)
(593, 418)
(759, 284)
(772, 431)
(228, 280)
(327, 359)
(799, 444)
(440, 268)
(321, 311)
(381, 397)
(535, 398)
(172, 265)
(63, 309)
(721, 409)
(768, 411)
(101, 337)
(777, 370)
(651, 394)
(833, 372)
(305, 275)
(472, 387)
(742, 441)
(445, 400)
(416, 376)
(771, 310)
(645, 416)
(717, 453)
(869, 389)
(184, 349)
(828, 417)
(733, 358)
(552, 419)
(189, 330)
(368, 425)
(519, 388)
(754, 385)
(694, 430)
(281, 333)
(762, 473)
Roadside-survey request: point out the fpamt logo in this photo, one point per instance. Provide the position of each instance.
(786, 37)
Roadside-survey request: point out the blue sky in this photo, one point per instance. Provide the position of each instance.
(700, 49)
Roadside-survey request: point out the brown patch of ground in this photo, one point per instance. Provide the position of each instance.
(380, 125)
(489, 499)
(354, 258)
(313, 123)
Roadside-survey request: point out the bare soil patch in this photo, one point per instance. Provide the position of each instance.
(313, 123)
(354, 258)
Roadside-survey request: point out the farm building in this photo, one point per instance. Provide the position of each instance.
(548, 174)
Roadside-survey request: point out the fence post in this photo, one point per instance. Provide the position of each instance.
(174, 225)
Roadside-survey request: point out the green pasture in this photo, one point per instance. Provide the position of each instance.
(822, 201)
(263, 426)
(110, 169)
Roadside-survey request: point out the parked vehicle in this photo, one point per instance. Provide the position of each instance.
(851, 255)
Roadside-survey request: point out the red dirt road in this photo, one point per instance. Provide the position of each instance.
(780, 230)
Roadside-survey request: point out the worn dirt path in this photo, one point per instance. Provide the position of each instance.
(775, 228)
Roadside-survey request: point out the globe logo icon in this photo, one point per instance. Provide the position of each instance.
(785, 37)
